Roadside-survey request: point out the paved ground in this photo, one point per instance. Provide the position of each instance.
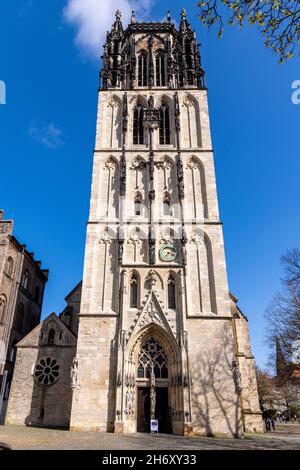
(286, 437)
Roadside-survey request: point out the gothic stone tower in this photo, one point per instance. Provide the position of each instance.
(159, 336)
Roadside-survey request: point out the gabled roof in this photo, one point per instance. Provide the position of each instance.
(73, 291)
(33, 338)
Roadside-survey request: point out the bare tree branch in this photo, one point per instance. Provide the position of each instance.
(283, 313)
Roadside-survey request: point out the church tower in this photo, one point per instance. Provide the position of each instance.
(159, 337)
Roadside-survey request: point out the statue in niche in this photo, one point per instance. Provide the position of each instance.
(152, 396)
(74, 373)
(130, 401)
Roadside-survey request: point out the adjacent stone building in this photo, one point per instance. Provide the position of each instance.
(159, 335)
(22, 283)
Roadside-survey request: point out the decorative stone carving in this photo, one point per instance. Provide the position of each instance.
(179, 164)
(180, 177)
(152, 195)
(123, 287)
(110, 164)
(152, 248)
(113, 103)
(151, 165)
(181, 190)
(120, 250)
(166, 238)
(151, 102)
(134, 238)
(119, 379)
(192, 164)
(152, 396)
(121, 339)
(151, 119)
(183, 339)
(74, 373)
(137, 164)
(105, 237)
(165, 164)
(177, 112)
(183, 246)
(152, 279)
(130, 402)
(123, 176)
(125, 113)
(184, 254)
(150, 315)
(197, 238)
(133, 17)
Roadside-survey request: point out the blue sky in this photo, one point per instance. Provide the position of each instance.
(48, 60)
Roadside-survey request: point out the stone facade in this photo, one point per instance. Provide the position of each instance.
(22, 283)
(154, 264)
(159, 335)
(35, 400)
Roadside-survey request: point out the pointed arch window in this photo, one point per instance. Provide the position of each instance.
(164, 125)
(51, 337)
(25, 279)
(160, 69)
(138, 127)
(2, 308)
(171, 293)
(134, 291)
(9, 266)
(152, 358)
(143, 69)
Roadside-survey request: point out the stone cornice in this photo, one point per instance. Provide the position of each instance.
(145, 150)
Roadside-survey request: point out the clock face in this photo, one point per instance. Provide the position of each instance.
(168, 252)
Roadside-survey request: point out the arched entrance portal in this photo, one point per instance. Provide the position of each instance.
(153, 387)
(153, 382)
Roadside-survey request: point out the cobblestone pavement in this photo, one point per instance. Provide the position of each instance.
(285, 437)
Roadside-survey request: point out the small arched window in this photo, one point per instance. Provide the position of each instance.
(143, 69)
(25, 279)
(37, 294)
(171, 292)
(133, 291)
(164, 125)
(160, 69)
(51, 337)
(9, 265)
(19, 318)
(138, 126)
(2, 308)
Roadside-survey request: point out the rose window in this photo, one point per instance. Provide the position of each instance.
(47, 371)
